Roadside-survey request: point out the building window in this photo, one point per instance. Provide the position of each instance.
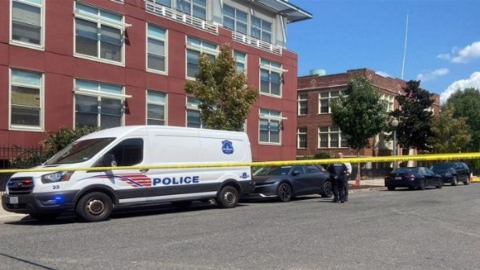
(302, 138)
(388, 101)
(235, 19)
(193, 113)
(241, 61)
(27, 22)
(99, 104)
(325, 101)
(331, 137)
(167, 3)
(196, 8)
(270, 126)
(270, 78)
(26, 99)
(303, 104)
(99, 34)
(156, 40)
(156, 107)
(195, 47)
(261, 29)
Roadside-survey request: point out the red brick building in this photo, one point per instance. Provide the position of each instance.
(110, 63)
(316, 132)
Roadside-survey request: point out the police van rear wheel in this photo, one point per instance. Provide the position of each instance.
(95, 206)
(228, 197)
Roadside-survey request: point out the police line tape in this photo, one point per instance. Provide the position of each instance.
(428, 157)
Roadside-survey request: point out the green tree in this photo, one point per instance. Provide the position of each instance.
(225, 97)
(466, 104)
(451, 135)
(414, 116)
(360, 114)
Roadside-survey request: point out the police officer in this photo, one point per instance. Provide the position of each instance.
(338, 173)
(348, 173)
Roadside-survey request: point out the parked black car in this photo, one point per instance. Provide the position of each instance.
(413, 177)
(286, 182)
(453, 172)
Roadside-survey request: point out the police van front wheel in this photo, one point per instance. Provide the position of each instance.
(228, 197)
(95, 206)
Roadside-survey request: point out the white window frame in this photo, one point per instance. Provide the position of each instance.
(389, 101)
(331, 131)
(244, 63)
(270, 118)
(198, 48)
(302, 131)
(329, 99)
(270, 68)
(165, 106)
(165, 41)
(192, 108)
(192, 4)
(99, 95)
(41, 46)
(122, 26)
(262, 19)
(302, 99)
(235, 20)
(40, 128)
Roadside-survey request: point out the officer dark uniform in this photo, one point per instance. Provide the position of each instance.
(338, 172)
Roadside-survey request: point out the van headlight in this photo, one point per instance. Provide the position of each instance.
(56, 177)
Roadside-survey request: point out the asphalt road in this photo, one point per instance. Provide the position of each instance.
(432, 229)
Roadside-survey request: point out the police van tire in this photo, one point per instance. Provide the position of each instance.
(95, 206)
(228, 197)
(44, 217)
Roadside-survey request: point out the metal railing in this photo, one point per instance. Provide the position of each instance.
(251, 41)
(18, 157)
(180, 17)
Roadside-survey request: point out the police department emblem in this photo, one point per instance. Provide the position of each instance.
(227, 147)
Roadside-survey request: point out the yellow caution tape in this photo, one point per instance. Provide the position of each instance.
(428, 157)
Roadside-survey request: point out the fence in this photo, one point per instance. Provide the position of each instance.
(18, 157)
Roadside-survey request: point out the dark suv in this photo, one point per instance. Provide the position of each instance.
(453, 172)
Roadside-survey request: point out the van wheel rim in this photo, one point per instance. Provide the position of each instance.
(229, 197)
(95, 207)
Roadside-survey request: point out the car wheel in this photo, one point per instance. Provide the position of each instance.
(44, 217)
(181, 204)
(440, 184)
(228, 197)
(95, 206)
(467, 182)
(454, 180)
(327, 191)
(422, 184)
(284, 192)
(391, 188)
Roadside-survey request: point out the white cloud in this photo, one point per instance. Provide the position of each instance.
(383, 74)
(473, 81)
(463, 55)
(433, 74)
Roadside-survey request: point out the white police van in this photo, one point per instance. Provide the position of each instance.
(92, 195)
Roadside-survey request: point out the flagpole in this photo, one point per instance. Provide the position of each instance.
(405, 48)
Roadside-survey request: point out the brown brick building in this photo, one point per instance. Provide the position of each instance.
(315, 129)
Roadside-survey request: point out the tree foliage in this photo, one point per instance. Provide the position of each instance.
(466, 104)
(451, 134)
(225, 97)
(414, 116)
(360, 114)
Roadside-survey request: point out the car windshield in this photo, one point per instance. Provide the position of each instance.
(406, 170)
(79, 151)
(442, 166)
(273, 171)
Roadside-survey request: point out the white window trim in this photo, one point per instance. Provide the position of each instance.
(99, 20)
(241, 9)
(264, 18)
(40, 47)
(245, 63)
(270, 117)
(166, 51)
(340, 137)
(165, 105)
(270, 69)
(329, 98)
(193, 108)
(201, 49)
(98, 94)
(298, 137)
(299, 100)
(41, 128)
(207, 9)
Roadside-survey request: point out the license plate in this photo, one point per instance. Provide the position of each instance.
(398, 178)
(13, 200)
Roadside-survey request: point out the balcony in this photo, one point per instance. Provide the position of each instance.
(180, 17)
(260, 44)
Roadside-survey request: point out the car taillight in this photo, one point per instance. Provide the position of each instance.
(410, 176)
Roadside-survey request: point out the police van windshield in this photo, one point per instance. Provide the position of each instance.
(79, 151)
(273, 171)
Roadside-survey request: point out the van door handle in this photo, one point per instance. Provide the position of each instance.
(144, 170)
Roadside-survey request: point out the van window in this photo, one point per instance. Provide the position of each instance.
(128, 153)
(79, 151)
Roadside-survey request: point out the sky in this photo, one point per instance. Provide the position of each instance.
(443, 41)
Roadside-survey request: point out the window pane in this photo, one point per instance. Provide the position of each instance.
(324, 140)
(26, 13)
(265, 81)
(275, 137)
(26, 77)
(156, 112)
(87, 85)
(25, 96)
(25, 116)
(192, 63)
(111, 45)
(275, 79)
(86, 104)
(109, 88)
(86, 119)
(128, 152)
(86, 39)
(229, 23)
(228, 11)
(156, 32)
(111, 106)
(324, 106)
(156, 46)
(156, 62)
(164, 2)
(264, 136)
(155, 122)
(26, 33)
(242, 28)
(199, 12)
(109, 121)
(255, 33)
(241, 16)
(193, 119)
(267, 37)
(156, 97)
(184, 6)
